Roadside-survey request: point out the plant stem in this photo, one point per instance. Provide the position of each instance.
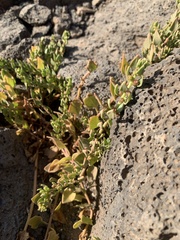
(86, 75)
(34, 188)
(51, 216)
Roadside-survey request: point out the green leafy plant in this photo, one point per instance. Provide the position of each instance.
(133, 77)
(35, 99)
(29, 89)
(161, 41)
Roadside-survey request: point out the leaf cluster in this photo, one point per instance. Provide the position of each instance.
(133, 77)
(161, 41)
(29, 90)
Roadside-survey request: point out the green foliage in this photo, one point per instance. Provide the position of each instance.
(178, 4)
(161, 41)
(157, 46)
(36, 222)
(133, 77)
(29, 89)
(44, 197)
(34, 97)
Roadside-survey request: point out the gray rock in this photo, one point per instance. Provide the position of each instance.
(18, 51)
(139, 174)
(76, 32)
(12, 31)
(97, 82)
(16, 181)
(39, 31)
(123, 31)
(76, 19)
(61, 23)
(35, 14)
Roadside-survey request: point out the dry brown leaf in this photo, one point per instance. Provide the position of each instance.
(59, 216)
(51, 152)
(23, 235)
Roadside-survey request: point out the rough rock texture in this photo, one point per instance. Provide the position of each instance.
(35, 14)
(16, 177)
(12, 31)
(119, 27)
(39, 31)
(140, 184)
(29, 22)
(20, 50)
(116, 27)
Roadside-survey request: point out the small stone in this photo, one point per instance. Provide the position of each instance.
(12, 31)
(76, 32)
(39, 31)
(35, 14)
(76, 19)
(61, 23)
(87, 4)
(84, 10)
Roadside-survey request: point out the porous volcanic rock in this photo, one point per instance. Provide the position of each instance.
(139, 180)
(12, 30)
(35, 14)
(20, 50)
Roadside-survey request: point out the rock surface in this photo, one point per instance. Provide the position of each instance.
(16, 183)
(35, 14)
(139, 181)
(140, 173)
(12, 31)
